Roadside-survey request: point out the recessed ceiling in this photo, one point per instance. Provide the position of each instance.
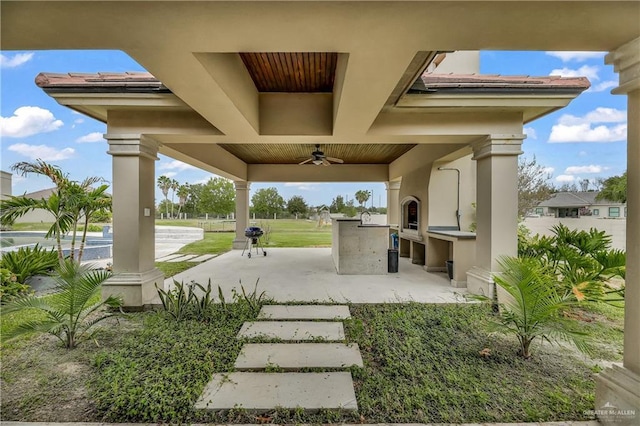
(292, 72)
(293, 153)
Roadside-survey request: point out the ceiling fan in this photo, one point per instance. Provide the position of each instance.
(318, 158)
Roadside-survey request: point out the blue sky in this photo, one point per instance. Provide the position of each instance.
(585, 140)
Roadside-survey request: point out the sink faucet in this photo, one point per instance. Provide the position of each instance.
(365, 218)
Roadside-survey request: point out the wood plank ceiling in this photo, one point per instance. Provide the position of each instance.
(292, 72)
(293, 154)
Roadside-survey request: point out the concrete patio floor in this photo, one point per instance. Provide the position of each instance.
(308, 275)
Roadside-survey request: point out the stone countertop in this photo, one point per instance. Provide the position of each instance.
(461, 235)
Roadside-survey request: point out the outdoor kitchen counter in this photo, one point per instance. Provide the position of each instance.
(458, 246)
(359, 249)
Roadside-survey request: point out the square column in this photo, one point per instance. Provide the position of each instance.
(134, 272)
(242, 213)
(618, 388)
(496, 208)
(393, 202)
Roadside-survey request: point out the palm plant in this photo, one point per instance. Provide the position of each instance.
(583, 261)
(533, 308)
(69, 313)
(69, 202)
(183, 195)
(174, 187)
(164, 183)
(94, 201)
(15, 207)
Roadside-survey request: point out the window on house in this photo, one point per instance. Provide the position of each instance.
(614, 211)
(539, 210)
(625, 212)
(596, 212)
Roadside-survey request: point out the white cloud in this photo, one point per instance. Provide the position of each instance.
(576, 56)
(561, 133)
(571, 128)
(43, 152)
(91, 138)
(304, 186)
(78, 120)
(15, 61)
(598, 115)
(175, 165)
(591, 72)
(601, 87)
(574, 170)
(28, 121)
(200, 181)
(531, 133)
(170, 174)
(566, 178)
(582, 154)
(549, 170)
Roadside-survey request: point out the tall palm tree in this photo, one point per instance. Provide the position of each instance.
(362, 196)
(164, 183)
(95, 200)
(183, 196)
(174, 187)
(67, 203)
(16, 207)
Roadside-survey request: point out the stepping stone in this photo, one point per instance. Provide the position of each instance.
(169, 257)
(184, 258)
(203, 258)
(298, 355)
(304, 312)
(266, 391)
(293, 330)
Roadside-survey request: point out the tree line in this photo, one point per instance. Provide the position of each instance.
(217, 198)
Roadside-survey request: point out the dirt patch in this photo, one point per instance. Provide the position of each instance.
(44, 382)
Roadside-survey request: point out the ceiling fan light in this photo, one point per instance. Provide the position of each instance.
(317, 162)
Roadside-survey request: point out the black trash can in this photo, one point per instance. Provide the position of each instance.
(449, 264)
(392, 261)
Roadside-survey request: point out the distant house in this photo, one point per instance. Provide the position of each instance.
(577, 203)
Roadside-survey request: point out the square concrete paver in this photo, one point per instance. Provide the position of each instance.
(185, 258)
(203, 258)
(293, 330)
(298, 355)
(266, 391)
(304, 312)
(169, 257)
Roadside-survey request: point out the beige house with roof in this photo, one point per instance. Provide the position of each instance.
(581, 203)
(243, 89)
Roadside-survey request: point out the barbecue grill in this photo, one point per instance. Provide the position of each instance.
(253, 234)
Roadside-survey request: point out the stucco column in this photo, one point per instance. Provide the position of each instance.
(496, 208)
(393, 202)
(242, 212)
(133, 186)
(619, 386)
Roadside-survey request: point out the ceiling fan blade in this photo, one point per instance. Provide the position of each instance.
(335, 160)
(325, 162)
(308, 160)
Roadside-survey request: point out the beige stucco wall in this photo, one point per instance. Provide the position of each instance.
(443, 193)
(416, 184)
(5, 184)
(461, 62)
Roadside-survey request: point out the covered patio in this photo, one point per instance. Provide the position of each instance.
(309, 275)
(220, 97)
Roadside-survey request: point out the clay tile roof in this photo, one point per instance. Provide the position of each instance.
(134, 82)
(489, 83)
